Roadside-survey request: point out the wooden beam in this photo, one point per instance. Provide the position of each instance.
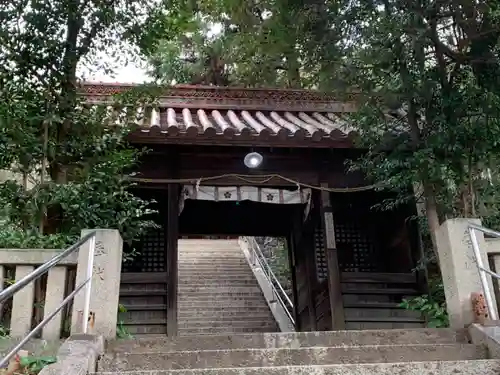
(172, 234)
(143, 138)
(334, 287)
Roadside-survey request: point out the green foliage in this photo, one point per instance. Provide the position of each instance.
(245, 44)
(121, 330)
(33, 364)
(14, 238)
(432, 306)
(71, 170)
(4, 332)
(280, 265)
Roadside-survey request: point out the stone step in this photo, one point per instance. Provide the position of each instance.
(260, 312)
(483, 367)
(215, 282)
(384, 319)
(208, 296)
(219, 257)
(206, 289)
(188, 304)
(222, 308)
(214, 269)
(289, 340)
(203, 310)
(197, 273)
(226, 300)
(214, 265)
(392, 324)
(194, 250)
(209, 246)
(204, 332)
(213, 277)
(197, 322)
(293, 357)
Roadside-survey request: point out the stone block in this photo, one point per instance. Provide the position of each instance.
(22, 304)
(77, 356)
(56, 284)
(105, 282)
(459, 269)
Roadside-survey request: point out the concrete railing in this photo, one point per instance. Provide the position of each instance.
(22, 262)
(60, 282)
(282, 310)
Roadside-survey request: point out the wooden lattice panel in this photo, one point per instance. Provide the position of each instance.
(356, 251)
(152, 254)
(319, 249)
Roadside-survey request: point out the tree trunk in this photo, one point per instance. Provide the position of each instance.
(431, 212)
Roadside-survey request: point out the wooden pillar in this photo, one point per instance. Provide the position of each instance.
(334, 286)
(311, 286)
(172, 234)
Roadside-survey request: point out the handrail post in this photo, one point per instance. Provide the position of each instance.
(88, 287)
(484, 281)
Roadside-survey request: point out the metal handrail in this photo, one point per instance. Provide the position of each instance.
(36, 274)
(483, 271)
(258, 256)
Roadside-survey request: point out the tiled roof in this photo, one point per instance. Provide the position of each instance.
(235, 113)
(246, 124)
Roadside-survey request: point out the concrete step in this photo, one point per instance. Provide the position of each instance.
(293, 357)
(214, 282)
(215, 278)
(384, 325)
(208, 244)
(188, 304)
(219, 255)
(196, 322)
(483, 367)
(193, 250)
(292, 340)
(216, 258)
(225, 299)
(207, 289)
(214, 268)
(203, 332)
(259, 312)
(198, 272)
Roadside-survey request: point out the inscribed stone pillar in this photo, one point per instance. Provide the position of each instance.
(105, 283)
(22, 304)
(459, 269)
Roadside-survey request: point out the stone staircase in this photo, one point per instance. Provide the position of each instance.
(381, 352)
(218, 292)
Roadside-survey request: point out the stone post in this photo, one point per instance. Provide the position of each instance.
(22, 304)
(459, 269)
(105, 284)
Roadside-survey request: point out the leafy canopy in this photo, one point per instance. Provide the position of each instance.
(70, 169)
